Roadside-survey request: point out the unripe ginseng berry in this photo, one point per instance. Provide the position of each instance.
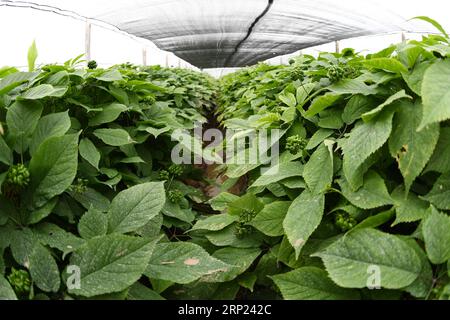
(295, 144)
(20, 281)
(92, 64)
(18, 175)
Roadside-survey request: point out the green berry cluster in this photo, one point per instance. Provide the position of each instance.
(244, 217)
(298, 73)
(335, 73)
(92, 64)
(175, 196)
(20, 281)
(295, 144)
(164, 175)
(243, 230)
(344, 221)
(18, 175)
(148, 99)
(339, 72)
(176, 170)
(80, 186)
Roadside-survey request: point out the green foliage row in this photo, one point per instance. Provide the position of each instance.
(361, 195)
(85, 170)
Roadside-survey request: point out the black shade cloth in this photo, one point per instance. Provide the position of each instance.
(233, 33)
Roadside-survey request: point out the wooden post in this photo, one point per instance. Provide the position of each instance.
(167, 60)
(403, 37)
(336, 43)
(87, 41)
(144, 56)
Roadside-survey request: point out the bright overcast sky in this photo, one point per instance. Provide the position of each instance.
(60, 38)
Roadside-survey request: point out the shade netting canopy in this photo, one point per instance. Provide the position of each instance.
(234, 33)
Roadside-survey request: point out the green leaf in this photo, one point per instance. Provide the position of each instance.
(321, 103)
(52, 125)
(278, 173)
(11, 81)
(42, 91)
(303, 217)
(376, 220)
(436, 234)
(221, 201)
(22, 118)
(6, 155)
(355, 176)
(353, 86)
(109, 113)
(240, 259)
(111, 263)
(289, 99)
(318, 172)
(55, 237)
(22, 243)
(421, 287)
(91, 198)
(109, 76)
(270, 219)
(439, 160)
(386, 64)
(318, 137)
(183, 262)
(412, 149)
(439, 195)
(372, 194)
(89, 152)
(6, 292)
(93, 223)
(434, 23)
(120, 94)
(365, 139)
(414, 78)
(114, 137)
(28, 252)
(214, 222)
(44, 270)
(52, 169)
(36, 215)
(311, 283)
(352, 259)
(356, 107)
(140, 292)
(374, 112)
(435, 94)
(174, 210)
(303, 92)
(134, 207)
(227, 238)
(408, 208)
(247, 202)
(32, 56)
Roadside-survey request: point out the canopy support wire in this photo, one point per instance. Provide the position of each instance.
(249, 31)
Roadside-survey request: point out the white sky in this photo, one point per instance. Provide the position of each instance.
(60, 38)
